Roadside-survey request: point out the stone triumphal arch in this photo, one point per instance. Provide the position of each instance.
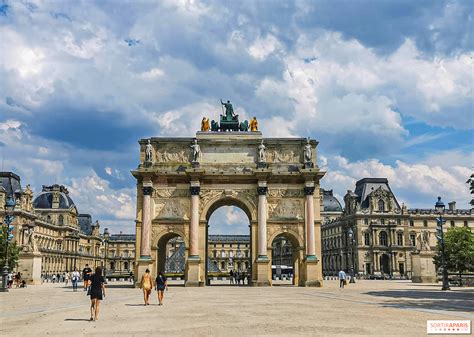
(275, 181)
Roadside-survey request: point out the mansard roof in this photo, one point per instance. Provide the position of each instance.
(122, 237)
(10, 182)
(366, 186)
(330, 202)
(44, 200)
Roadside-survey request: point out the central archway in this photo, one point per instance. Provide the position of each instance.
(228, 243)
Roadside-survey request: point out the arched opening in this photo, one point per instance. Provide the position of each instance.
(284, 260)
(228, 244)
(171, 258)
(385, 264)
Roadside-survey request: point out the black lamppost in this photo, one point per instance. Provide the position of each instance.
(7, 219)
(106, 243)
(350, 233)
(439, 206)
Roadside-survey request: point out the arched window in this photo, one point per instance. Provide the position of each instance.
(367, 238)
(222, 265)
(223, 253)
(61, 219)
(383, 239)
(381, 205)
(112, 265)
(400, 238)
(125, 265)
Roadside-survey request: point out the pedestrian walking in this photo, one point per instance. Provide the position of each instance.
(97, 292)
(161, 284)
(342, 279)
(86, 274)
(10, 280)
(66, 278)
(75, 278)
(231, 276)
(146, 285)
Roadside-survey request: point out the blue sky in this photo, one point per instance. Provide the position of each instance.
(385, 86)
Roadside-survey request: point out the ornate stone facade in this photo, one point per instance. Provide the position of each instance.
(229, 171)
(385, 233)
(50, 230)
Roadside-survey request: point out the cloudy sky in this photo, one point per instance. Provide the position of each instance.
(385, 86)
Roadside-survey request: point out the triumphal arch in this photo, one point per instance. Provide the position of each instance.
(275, 181)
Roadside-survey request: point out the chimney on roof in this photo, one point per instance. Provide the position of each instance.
(452, 205)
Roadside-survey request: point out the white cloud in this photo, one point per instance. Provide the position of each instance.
(263, 47)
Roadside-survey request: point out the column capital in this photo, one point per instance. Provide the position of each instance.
(262, 190)
(195, 190)
(147, 190)
(309, 190)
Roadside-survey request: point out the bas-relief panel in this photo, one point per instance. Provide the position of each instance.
(284, 154)
(172, 208)
(285, 209)
(172, 153)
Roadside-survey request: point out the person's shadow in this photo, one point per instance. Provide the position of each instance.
(76, 319)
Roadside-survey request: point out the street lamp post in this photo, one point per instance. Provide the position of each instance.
(351, 242)
(7, 219)
(439, 206)
(106, 242)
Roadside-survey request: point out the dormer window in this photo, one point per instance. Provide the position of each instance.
(381, 205)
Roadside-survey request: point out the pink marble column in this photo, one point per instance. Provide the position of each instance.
(262, 222)
(145, 242)
(310, 244)
(194, 226)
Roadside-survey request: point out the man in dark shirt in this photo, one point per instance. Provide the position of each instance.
(86, 274)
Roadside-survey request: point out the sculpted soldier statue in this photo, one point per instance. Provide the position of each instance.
(307, 152)
(261, 153)
(229, 110)
(196, 151)
(148, 152)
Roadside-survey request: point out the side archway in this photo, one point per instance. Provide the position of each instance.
(287, 257)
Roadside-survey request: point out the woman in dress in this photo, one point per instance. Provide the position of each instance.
(147, 285)
(97, 290)
(161, 285)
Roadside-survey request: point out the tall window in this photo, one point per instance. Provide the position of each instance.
(223, 254)
(412, 223)
(452, 223)
(381, 205)
(413, 239)
(383, 239)
(366, 221)
(465, 223)
(367, 238)
(61, 219)
(425, 223)
(400, 239)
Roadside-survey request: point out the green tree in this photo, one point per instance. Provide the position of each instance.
(459, 250)
(13, 250)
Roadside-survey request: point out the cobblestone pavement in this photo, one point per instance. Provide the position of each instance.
(396, 308)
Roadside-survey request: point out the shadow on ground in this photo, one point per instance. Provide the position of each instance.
(460, 300)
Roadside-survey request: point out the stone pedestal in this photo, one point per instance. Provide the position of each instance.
(311, 276)
(29, 265)
(143, 265)
(423, 268)
(263, 272)
(193, 273)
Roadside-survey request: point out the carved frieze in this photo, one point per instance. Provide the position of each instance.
(285, 209)
(172, 154)
(285, 193)
(171, 193)
(283, 156)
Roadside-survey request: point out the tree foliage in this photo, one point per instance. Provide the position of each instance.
(459, 250)
(13, 250)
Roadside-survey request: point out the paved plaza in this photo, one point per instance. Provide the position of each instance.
(366, 308)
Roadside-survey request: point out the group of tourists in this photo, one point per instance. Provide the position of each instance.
(239, 276)
(160, 284)
(15, 278)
